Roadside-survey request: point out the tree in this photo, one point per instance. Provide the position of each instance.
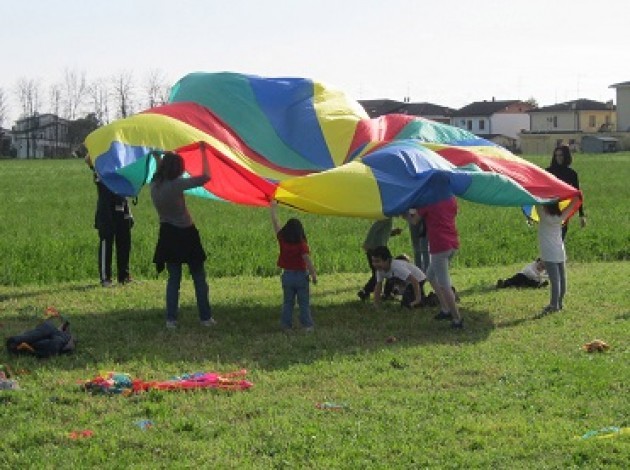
(55, 96)
(156, 88)
(75, 86)
(28, 95)
(79, 129)
(98, 94)
(532, 101)
(122, 90)
(4, 107)
(27, 91)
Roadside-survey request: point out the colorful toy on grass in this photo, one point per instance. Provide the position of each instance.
(114, 383)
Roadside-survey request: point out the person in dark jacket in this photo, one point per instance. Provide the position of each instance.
(560, 167)
(113, 220)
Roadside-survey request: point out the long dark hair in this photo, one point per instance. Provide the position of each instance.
(293, 231)
(567, 158)
(553, 209)
(170, 167)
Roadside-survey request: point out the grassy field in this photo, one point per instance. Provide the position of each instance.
(507, 392)
(47, 231)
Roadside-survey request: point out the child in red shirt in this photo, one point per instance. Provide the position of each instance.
(296, 264)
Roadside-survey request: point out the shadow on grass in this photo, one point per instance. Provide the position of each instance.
(248, 336)
(24, 294)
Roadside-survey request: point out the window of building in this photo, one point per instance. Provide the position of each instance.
(469, 125)
(555, 121)
(591, 121)
(482, 124)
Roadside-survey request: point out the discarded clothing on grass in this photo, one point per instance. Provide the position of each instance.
(44, 340)
(114, 383)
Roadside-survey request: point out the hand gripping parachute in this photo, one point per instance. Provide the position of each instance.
(313, 148)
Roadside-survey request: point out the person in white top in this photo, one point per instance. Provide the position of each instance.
(389, 268)
(552, 250)
(532, 275)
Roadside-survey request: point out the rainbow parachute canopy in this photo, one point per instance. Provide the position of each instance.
(311, 147)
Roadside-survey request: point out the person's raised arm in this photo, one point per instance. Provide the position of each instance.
(205, 165)
(274, 216)
(570, 208)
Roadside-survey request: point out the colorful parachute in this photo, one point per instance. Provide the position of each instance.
(313, 148)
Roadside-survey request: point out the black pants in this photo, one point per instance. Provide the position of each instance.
(121, 237)
(369, 286)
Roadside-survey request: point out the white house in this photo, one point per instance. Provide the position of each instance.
(491, 119)
(41, 135)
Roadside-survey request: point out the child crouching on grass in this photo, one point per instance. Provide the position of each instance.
(296, 266)
(388, 268)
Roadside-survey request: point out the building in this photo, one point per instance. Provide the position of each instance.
(495, 119)
(5, 142)
(574, 116)
(41, 136)
(623, 105)
(434, 112)
(599, 144)
(573, 123)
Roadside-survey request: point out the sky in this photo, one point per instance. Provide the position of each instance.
(446, 52)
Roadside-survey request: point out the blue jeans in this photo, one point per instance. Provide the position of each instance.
(295, 284)
(198, 274)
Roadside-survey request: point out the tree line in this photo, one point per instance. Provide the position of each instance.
(76, 96)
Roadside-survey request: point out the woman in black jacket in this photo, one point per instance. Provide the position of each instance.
(561, 168)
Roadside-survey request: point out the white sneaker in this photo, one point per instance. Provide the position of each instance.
(171, 325)
(209, 323)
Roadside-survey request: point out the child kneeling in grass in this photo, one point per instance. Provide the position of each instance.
(402, 270)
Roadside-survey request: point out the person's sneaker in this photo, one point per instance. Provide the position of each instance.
(127, 280)
(210, 322)
(106, 283)
(363, 295)
(444, 316)
(546, 311)
(457, 325)
(171, 325)
(309, 329)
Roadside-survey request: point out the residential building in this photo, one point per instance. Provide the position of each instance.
(495, 120)
(41, 136)
(5, 142)
(434, 112)
(581, 115)
(623, 105)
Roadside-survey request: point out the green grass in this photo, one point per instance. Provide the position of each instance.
(47, 231)
(507, 392)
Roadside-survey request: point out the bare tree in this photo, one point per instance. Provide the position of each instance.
(99, 100)
(4, 107)
(123, 90)
(27, 91)
(156, 88)
(75, 86)
(55, 95)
